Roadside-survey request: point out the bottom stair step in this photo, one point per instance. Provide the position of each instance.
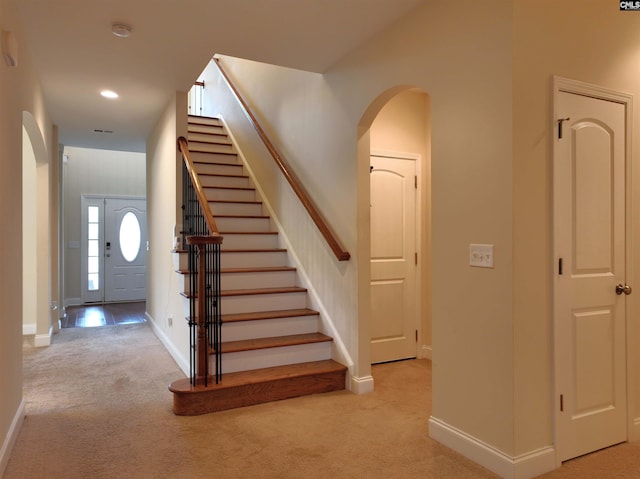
(257, 386)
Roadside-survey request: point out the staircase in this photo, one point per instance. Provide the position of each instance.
(271, 348)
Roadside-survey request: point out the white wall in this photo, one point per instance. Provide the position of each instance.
(462, 58)
(594, 43)
(19, 92)
(89, 171)
(164, 219)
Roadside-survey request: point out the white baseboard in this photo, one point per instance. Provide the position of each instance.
(361, 385)
(28, 329)
(72, 302)
(635, 431)
(11, 437)
(523, 466)
(43, 340)
(175, 354)
(426, 352)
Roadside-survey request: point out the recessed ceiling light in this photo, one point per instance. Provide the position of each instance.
(121, 30)
(109, 94)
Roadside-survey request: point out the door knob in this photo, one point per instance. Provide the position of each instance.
(623, 288)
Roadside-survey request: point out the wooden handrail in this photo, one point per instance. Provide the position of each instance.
(183, 145)
(302, 194)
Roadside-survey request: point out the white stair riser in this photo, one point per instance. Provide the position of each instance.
(210, 127)
(204, 158)
(249, 280)
(263, 302)
(268, 328)
(265, 358)
(250, 241)
(225, 194)
(225, 169)
(199, 147)
(228, 181)
(215, 136)
(240, 209)
(243, 224)
(181, 261)
(253, 259)
(258, 279)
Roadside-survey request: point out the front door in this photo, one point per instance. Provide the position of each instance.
(114, 249)
(590, 215)
(393, 259)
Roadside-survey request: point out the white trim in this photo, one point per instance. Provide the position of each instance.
(523, 466)
(28, 329)
(72, 302)
(11, 437)
(173, 351)
(43, 340)
(560, 84)
(426, 352)
(363, 385)
(635, 430)
(341, 353)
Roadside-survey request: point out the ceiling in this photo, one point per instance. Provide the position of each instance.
(76, 55)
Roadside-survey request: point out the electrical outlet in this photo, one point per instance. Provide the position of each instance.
(170, 321)
(481, 255)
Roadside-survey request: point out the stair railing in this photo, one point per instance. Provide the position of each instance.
(201, 238)
(317, 217)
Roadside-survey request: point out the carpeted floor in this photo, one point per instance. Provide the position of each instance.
(97, 407)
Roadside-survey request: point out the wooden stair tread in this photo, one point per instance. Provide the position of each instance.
(250, 292)
(238, 202)
(258, 315)
(201, 117)
(208, 142)
(257, 291)
(217, 175)
(259, 217)
(198, 150)
(248, 232)
(273, 342)
(256, 376)
(213, 163)
(228, 188)
(253, 250)
(258, 269)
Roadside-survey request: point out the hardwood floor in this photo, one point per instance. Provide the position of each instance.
(107, 314)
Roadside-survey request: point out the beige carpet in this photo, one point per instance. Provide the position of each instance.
(98, 407)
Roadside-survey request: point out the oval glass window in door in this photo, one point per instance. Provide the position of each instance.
(130, 236)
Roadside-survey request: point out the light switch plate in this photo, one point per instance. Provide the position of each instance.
(481, 255)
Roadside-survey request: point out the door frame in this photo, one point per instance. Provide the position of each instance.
(560, 84)
(421, 352)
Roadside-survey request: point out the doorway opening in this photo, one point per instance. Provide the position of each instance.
(395, 224)
(103, 225)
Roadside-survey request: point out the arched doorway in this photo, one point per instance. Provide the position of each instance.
(397, 128)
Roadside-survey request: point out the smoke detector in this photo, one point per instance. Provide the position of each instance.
(121, 30)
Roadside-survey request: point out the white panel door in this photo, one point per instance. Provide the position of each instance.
(125, 249)
(393, 268)
(590, 244)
